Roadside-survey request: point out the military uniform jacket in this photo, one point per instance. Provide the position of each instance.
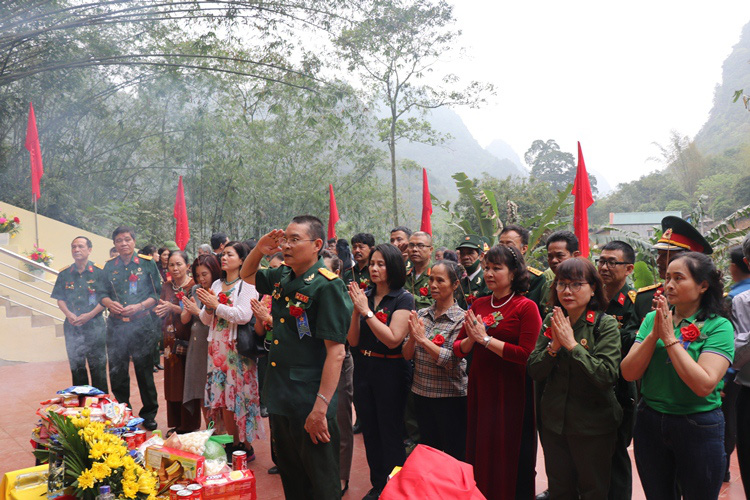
(471, 289)
(81, 292)
(537, 282)
(622, 307)
(579, 396)
(362, 277)
(419, 288)
(132, 283)
(306, 310)
(644, 301)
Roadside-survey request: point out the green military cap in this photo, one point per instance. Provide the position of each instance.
(473, 241)
(171, 246)
(681, 235)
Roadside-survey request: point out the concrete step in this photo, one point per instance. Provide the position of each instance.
(29, 337)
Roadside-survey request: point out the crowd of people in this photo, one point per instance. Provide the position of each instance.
(466, 349)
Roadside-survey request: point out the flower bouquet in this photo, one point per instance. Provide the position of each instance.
(93, 457)
(9, 225)
(41, 256)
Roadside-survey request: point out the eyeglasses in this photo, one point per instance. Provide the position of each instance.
(421, 246)
(291, 241)
(574, 286)
(610, 263)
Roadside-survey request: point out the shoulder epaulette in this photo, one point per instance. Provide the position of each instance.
(631, 295)
(65, 268)
(112, 258)
(328, 274)
(650, 287)
(147, 257)
(726, 294)
(534, 271)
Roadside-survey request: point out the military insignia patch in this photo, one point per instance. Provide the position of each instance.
(621, 299)
(309, 278)
(590, 316)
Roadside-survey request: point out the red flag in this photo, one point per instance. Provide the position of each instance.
(426, 205)
(182, 234)
(583, 200)
(32, 144)
(333, 213)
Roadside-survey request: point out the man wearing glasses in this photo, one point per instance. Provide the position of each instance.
(615, 264)
(418, 277)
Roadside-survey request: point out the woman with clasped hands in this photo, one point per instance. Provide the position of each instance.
(379, 324)
(577, 355)
(680, 355)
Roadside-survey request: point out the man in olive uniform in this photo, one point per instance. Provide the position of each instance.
(518, 236)
(133, 288)
(615, 264)
(78, 290)
(470, 251)
(311, 313)
(362, 244)
(418, 275)
(677, 236)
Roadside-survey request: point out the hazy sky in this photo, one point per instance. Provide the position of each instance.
(616, 76)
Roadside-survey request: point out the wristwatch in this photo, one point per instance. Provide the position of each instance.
(369, 315)
(486, 340)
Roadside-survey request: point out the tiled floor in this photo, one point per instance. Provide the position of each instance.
(25, 385)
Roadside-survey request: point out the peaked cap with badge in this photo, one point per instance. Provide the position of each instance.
(678, 234)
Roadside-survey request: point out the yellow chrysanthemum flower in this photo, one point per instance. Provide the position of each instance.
(86, 480)
(129, 488)
(113, 461)
(146, 483)
(129, 475)
(100, 470)
(86, 412)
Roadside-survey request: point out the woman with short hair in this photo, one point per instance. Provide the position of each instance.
(577, 356)
(379, 325)
(681, 353)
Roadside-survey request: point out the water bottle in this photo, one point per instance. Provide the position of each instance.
(105, 493)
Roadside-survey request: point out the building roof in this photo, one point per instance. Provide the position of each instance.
(629, 218)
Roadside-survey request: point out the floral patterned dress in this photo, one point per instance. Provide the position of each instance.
(232, 379)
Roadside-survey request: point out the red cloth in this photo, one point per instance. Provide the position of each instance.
(429, 474)
(32, 144)
(496, 396)
(426, 205)
(333, 213)
(583, 200)
(182, 234)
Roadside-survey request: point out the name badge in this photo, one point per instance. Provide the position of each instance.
(133, 287)
(303, 326)
(92, 299)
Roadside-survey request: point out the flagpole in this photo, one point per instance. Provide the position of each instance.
(36, 224)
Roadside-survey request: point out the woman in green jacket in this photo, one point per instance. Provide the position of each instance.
(577, 356)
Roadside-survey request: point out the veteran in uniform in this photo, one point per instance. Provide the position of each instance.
(133, 287)
(677, 236)
(418, 274)
(470, 251)
(615, 264)
(311, 311)
(362, 244)
(78, 289)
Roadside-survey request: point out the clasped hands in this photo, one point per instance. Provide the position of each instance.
(359, 299)
(561, 331)
(663, 324)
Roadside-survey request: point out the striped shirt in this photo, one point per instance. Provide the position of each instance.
(447, 376)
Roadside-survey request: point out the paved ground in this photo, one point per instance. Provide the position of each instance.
(23, 386)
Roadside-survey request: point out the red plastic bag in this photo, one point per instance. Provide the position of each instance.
(430, 474)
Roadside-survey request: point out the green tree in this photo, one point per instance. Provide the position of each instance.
(551, 165)
(393, 46)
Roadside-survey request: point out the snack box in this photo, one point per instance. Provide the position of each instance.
(235, 485)
(174, 465)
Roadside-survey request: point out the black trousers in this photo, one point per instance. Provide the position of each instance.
(442, 423)
(729, 409)
(308, 470)
(133, 340)
(743, 435)
(84, 343)
(380, 390)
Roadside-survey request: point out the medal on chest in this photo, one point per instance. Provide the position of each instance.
(133, 282)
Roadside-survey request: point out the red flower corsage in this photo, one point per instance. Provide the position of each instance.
(439, 340)
(470, 299)
(489, 320)
(133, 278)
(423, 291)
(362, 285)
(296, 311)
(690, 333)
(180, 295)
(382, 317)
(548, 333)
(223, 299)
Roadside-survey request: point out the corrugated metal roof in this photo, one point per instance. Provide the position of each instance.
(641, 217)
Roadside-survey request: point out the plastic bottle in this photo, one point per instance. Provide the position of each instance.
(105, 493)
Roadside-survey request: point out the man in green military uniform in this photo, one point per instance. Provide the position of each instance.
(418, 275)
(677, 236)
(615, 264)
(518, 236)
(470, 250)
(362, 244)
(133, 288)
(78, 290)
(311, 312)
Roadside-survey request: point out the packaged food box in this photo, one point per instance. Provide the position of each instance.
(235, 485)
(174, 465)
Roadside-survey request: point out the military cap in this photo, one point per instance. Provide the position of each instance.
(679, 234)
(473, 241)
